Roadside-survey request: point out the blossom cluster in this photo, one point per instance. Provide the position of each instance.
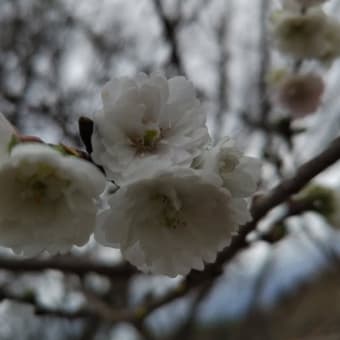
(176, 200)
(303, 31)
(179, 199)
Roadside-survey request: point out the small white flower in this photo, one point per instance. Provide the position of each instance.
(239, 174)
(171, 223)
(48, 200)
(147, 124)
(6, 133)
(311, 36)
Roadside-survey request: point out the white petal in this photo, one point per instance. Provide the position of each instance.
(239, 174)
(6, 133)
(171, 223)
(48, 201)
(147, 120)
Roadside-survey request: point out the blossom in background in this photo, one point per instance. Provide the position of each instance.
(147, 124)
(6, 133)
(301, 93)
(323, 200)
(313, 35)
(239, 174)
(171, 223)
(48, 199)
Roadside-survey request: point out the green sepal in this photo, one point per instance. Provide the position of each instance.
(13, 142)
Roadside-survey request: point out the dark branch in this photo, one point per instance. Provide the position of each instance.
(75, 266)
(170, 27)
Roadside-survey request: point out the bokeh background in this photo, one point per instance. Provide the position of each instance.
(55, 55)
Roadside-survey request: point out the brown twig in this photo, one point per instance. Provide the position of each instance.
(265, 105)
(170, 27)
(222, 35)
(71, 265)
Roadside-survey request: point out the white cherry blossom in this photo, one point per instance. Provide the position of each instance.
(48, 199)
(147, 124)
(313, 35)
(239, 174)
(171, 223)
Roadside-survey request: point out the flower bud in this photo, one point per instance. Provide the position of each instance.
(301, 94)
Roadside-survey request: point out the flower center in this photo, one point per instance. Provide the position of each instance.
(227, 162)
(148, 142)
(150, 138)
(43, 185)
(171, 213)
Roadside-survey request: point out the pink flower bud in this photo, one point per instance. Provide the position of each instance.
(301, 94)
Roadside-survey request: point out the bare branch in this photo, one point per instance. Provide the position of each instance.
(265, 105)
(74, 265)
(222, 34)
(170, 33)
